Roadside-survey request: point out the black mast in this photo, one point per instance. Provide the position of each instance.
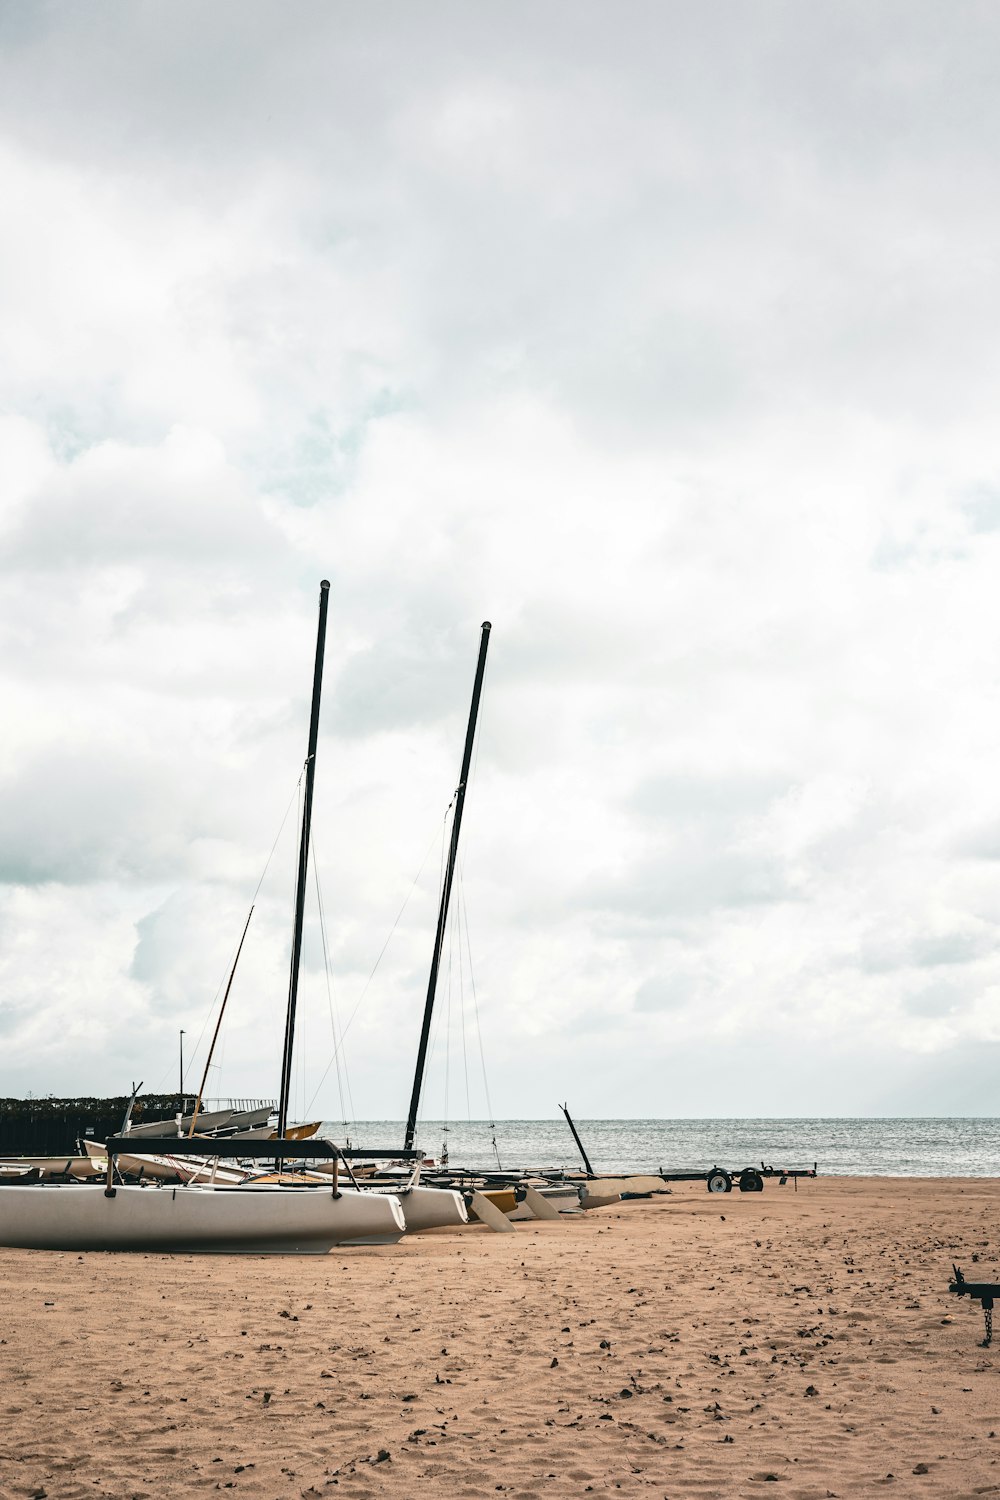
(411, 1119)
(300, 890)
(579, 1143)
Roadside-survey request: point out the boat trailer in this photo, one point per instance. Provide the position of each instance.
(983, 1292)
(747, 1179)
(717, 1179)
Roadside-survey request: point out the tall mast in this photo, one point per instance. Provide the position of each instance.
(300, 889)
(456, 826)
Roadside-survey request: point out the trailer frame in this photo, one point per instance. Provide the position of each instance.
(748, 1179)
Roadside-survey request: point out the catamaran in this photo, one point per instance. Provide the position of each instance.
(190, 1218)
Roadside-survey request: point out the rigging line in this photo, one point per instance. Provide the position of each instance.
(302, 1080)
(440, 1031)
(218, 1027)
(456, 916)
(281, 830)
(435, 1016)
(437, 1028)
(347, 1114)
(447, 1032)
(275, 1022)
(431, 1049)
(329, 987)
(461, 990)
(479, 1029)
(357, 1004)
(484, 710)
(331, 1004)
(298, 824)
(253, 900)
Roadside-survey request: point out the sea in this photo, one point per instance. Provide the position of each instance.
(921, 1147)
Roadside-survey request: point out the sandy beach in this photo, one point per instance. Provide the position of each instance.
(691, 1346)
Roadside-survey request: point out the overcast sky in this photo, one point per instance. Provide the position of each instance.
(665, 337)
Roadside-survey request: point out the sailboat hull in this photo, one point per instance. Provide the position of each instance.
(431, 1208)
(194, 1220)
(423, 1207)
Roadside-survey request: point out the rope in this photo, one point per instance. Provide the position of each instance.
(483, 703)
(479, 1029)
(332, 1007)
(435, 1031)
(461, 995)
(367, 985)
(295, 884)
(447, 1028)
(229, 965)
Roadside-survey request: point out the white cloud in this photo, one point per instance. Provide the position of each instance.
(669, 348)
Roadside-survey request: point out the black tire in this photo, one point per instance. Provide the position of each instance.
(751, 1181)
(719, 1181)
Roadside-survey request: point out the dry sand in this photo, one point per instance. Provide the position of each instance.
(693, 1346)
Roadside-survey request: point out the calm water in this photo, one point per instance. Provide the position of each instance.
(853, 1148)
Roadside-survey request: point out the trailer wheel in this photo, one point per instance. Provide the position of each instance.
(719, 1181)
(751, 1181)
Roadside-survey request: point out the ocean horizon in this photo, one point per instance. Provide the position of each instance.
(868, 1146)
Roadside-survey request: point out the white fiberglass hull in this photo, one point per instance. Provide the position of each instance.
(600, 1192)
(193, 1220)
(565, 1200)
(423, 1207)
(430, 1207)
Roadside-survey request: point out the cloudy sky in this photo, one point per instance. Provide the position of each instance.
(663, 336)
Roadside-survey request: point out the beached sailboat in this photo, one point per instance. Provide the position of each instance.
(428, 1207)
(449, 876)
(436, 1205)
(190, 1218)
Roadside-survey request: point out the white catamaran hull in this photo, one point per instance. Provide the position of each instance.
(429, 1207)
(423, 1207)
(192, 1220)
(564, 1199)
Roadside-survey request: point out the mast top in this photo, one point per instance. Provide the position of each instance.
(324, 583)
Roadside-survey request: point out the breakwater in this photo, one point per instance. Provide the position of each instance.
(52, 1127)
